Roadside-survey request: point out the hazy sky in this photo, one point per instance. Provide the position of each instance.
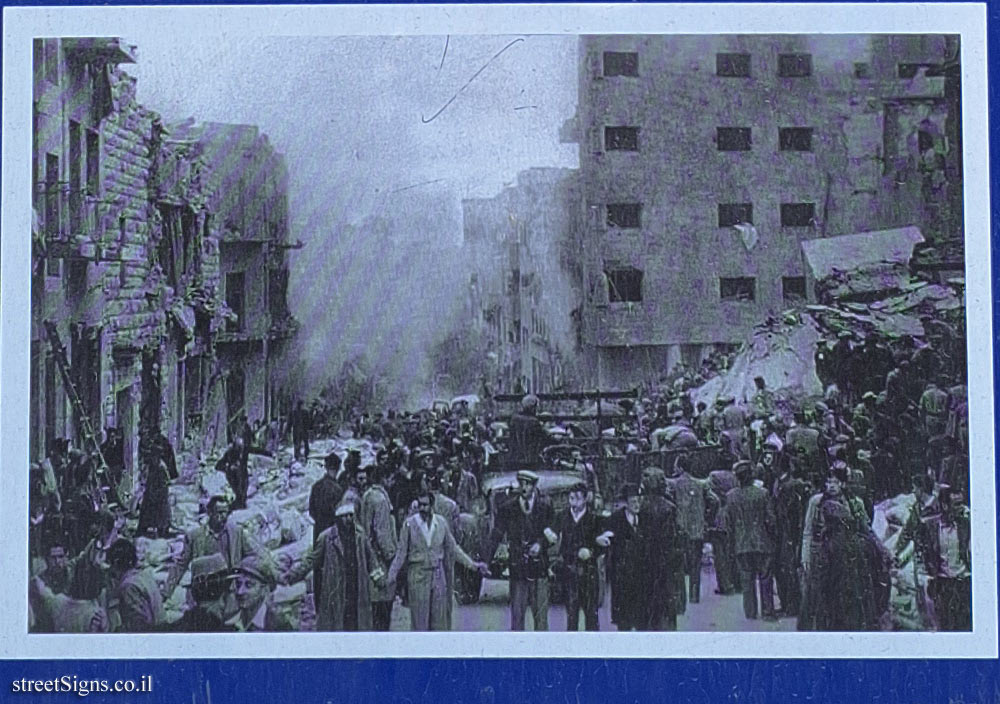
(355, 117)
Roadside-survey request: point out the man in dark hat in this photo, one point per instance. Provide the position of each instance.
(626, 562)
(253, 586)
(234, 464)
(749, 515)
(662, 554)
(325, 495)
(525, 522)
(211, 586)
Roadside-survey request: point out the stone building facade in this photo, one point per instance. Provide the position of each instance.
(521, 294)
(127, 265)
(706, 160)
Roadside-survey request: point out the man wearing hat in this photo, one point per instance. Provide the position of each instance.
(662, 554)
(343, 556)
(626, 562)
(219, 535)
(791, 496)
(211, 585)
(749, 517)
(525, 523)
(428, 552)
(254, 584)
(325, 495)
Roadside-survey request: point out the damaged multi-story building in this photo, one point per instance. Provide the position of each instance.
(706, 160)
(129, 264)
(520, 293)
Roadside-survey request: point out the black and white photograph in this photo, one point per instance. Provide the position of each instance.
(624, 332)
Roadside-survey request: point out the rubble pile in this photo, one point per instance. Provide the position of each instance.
(782, 349)
(276, 515)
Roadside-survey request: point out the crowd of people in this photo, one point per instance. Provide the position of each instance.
(787, 505)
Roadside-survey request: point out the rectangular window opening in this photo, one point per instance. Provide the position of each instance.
(625, 215)
(794, 65)
(621, 63)
(862, 70)
(733, 139)
(793, 288)
(732, 65)
(798, 214)
(735, 213)
(795, 139)
(740, 288)
(621, 139)
(93, 163)
(235, 299)
(624, 285)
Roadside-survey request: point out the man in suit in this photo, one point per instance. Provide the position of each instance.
(428, 551)
(525, 520)
(749, 516)
(625, 562)
(580, 542)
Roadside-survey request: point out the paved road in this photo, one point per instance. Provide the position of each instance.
(713, 613)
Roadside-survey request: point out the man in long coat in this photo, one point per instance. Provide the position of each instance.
(791, 496)
(749, 516)
(343, 555)
(428, 551)
(160, 467)
(626, 563)
(379, 525)
(663, 555)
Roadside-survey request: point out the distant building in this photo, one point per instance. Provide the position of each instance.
(706, 160)
(522, 289)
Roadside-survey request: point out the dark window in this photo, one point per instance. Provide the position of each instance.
(793, 288)
(93, 163)
(734, 213)
(621, 139)
(75, 175)
(235, 298)
(624, 285)
(798, 214)
(625, 215)
(925, 140)
(743, 288)
(862, 69)
(795, 139)
(732, 65)
(621, 63)
(52, 228)
(794, 65)
(732, 139)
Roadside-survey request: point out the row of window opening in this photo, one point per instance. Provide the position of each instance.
(628, 216)
(727, 139)
(625, 286)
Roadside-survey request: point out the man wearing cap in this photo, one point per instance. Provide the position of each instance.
(625, 562)
(253, 585)
(428, 551)
(343, 556)
(749, 516)
(211, 586)
(525, 522)
(379, 525)
(527, 436)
